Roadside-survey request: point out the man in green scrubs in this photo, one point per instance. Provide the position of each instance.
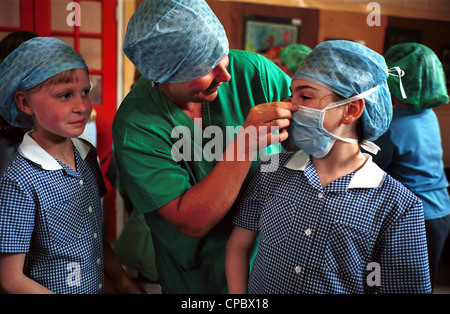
(185, 188)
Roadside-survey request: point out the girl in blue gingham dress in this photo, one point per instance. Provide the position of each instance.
(50, 213)
(329, 219)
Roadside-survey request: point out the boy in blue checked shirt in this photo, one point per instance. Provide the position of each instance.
(50, 213)
(329, 219)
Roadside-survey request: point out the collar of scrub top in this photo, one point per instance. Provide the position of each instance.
(368, 176)
(32, 151)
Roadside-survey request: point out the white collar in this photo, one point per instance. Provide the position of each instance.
(368, 176)
(31, 150)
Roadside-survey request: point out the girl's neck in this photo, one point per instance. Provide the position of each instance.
(344, 158)
(60, 148)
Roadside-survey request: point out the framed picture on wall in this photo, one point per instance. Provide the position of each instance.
(269, 35)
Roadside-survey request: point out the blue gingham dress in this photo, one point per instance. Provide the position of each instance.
(53, 214)
(333, 239)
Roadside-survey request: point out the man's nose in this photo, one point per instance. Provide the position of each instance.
(221, 73)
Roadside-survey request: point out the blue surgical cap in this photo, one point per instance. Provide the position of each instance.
(29, 65)
(175, 40)
(349, 69)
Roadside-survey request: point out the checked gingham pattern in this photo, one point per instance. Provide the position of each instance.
(55, 217)
(320, 240)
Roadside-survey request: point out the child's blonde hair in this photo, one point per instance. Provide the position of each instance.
(60, 78)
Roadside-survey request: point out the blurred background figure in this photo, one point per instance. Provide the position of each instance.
(292, 56)
(12, 41)
(10, 136)
(411, 150)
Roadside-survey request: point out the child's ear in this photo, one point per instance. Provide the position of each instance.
(23, 102)
(354, 110)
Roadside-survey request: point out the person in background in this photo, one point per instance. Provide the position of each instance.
(411, 149)
(12, 41)
(329, 219)
(51, 219)
(10, 136)
(292, 56)
(192, 81)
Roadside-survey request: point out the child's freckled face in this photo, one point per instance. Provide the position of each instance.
(62, 109)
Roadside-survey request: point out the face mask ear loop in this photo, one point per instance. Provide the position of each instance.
(400, 74)
(351, 99)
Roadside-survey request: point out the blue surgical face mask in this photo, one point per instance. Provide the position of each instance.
(308, 133)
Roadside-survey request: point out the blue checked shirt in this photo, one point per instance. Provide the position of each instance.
(363, 233)
(53, 214)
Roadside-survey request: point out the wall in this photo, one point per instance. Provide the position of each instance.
(351, 26)
(434, 33)
(129, 7)
(438, 10)
(232, 17)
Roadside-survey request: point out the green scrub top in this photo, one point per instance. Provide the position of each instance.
(143, 136)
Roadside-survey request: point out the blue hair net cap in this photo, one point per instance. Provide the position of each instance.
(349, 69)
(175, 40)
(29, 65)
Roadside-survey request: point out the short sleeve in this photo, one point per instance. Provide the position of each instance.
(248, 211)
(17, 216)
(151, 177)
(404, 256)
